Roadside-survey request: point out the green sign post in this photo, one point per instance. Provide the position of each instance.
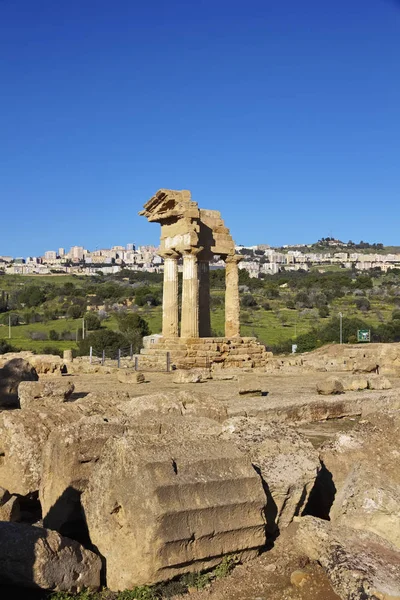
(363, 335)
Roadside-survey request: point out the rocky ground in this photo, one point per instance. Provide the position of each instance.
(323, 444)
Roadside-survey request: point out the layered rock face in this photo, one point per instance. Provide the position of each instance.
(364, 465)
(156, 508)
(360, 564)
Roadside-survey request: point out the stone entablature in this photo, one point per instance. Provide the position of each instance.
(195, 235)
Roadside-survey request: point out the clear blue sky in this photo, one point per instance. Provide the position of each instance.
(284, 115)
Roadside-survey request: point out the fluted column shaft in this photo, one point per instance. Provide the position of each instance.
(190, 296)
(170, 318)
(232, 303)
(204, 298)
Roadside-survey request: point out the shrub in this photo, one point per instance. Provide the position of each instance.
(5, 347)
(53, 335)
(248, 301)
(51, 350)
(323, 312)
(92, 321)
(103, 339)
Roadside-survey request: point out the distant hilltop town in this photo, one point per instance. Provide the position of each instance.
(259, 261)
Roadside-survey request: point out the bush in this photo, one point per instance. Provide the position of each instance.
(92, 321)
(75, 311)
(103, 339)
(363, 304)
(38, 335)
(51, 350)
(134, 328)
(323, 312)
(248, 301)
(53, 335)
(5, 347)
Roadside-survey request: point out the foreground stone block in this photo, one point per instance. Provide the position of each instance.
(358, 563)
(34, 392)
(288, 465)
(36, 557)
(379, 383)
(158, 507)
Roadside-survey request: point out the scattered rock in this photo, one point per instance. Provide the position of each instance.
(34, 392)
(355, 384)
(299, 578)
(331, 385)
(36, 557)
(129, 376)
(188, 376)
(379, 383)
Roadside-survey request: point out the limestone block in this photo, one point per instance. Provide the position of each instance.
(36, 557)
(31, 393)
(157, 507)
(354, 383)
(129, 376)
(188, 376)
(331, 385)
(376, 382)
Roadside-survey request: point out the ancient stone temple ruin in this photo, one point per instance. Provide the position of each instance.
(195, 235)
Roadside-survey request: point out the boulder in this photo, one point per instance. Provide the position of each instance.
(328, 386)
(354, 383)
(68, 458)
(188, 376)
(34, 392)
(47, 364)
(359, 564)
(288, 465)
(11, 375)
(159, 506)
(36, 557)
(379, 382)
(129, 376)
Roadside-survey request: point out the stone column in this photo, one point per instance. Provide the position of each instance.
(190, 295)
(204, 298)
(232, 304)
(170, 318)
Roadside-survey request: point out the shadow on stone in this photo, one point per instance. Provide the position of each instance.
(321, 496)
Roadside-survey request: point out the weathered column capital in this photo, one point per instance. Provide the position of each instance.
(168, 253)
(186, 252)
(235, 258)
